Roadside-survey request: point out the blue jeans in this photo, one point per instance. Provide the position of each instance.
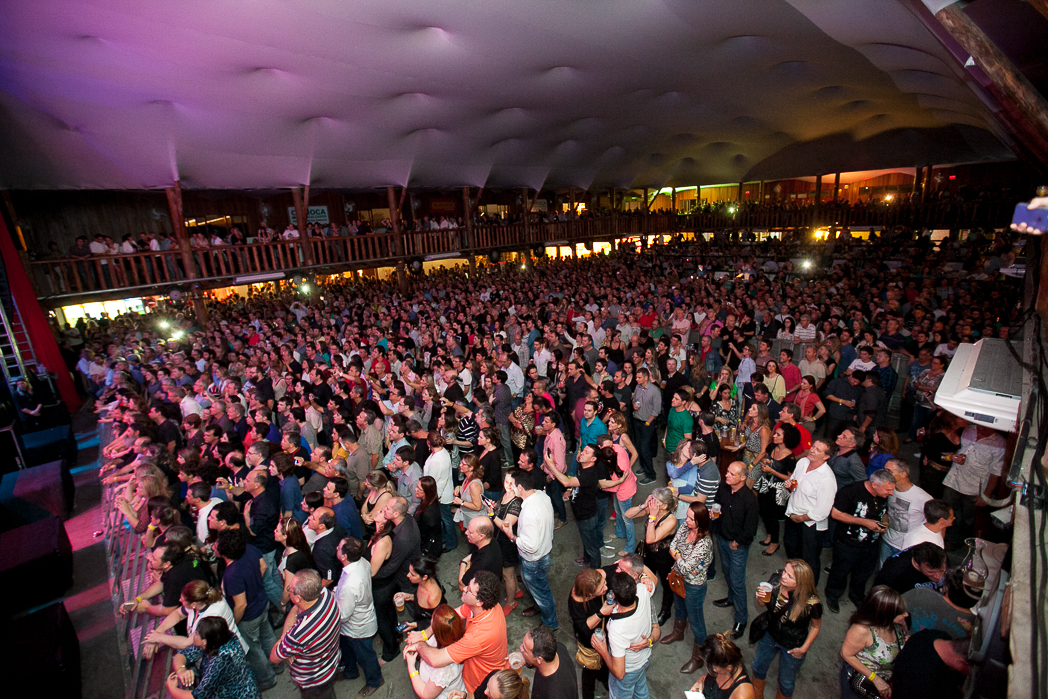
(589, 531)
(645, 446)
(767, 649)
(734, 563)
(274, 588)
(448, 527)
(534, 574)
(359, 651)
(260, 640)
(573, 466)
(887, 551)
(602, 516)
(633, 685)
(690, 606)
(624, 527)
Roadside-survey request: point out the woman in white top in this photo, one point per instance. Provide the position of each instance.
(437, 682)
(199, 600)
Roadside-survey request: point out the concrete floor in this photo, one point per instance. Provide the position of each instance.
(90, 607)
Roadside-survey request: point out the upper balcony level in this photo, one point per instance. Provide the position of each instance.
(69, 280)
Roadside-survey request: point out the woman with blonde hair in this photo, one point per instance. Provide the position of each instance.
(795, 618)
(430, 682)
(136, 511)
(503, 684)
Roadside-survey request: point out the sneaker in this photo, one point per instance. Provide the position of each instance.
(608, 546)
(623, 552)
(558, 525)
(646, 481)
(580, 563)
(833, 605)
(826, 569)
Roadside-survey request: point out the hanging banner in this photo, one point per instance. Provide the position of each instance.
(316, 214)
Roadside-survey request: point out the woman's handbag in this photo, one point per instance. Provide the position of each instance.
(588, 658)
(863, 687)
(759, 626)
(676, 581)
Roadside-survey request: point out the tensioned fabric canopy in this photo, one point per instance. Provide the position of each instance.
(241, 94)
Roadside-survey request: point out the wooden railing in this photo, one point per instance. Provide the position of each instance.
(74, 276)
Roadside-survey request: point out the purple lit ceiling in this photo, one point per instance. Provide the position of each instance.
(351, 94)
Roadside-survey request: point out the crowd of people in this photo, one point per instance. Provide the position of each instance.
(299, 466)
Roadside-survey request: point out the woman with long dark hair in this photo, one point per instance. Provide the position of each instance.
(692, 551)
(429, 593)
(427, 515)
(769, 478)
(875, 636)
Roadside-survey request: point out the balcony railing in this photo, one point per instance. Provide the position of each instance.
(69, 276)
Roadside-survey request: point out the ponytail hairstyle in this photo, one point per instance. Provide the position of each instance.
(197, 591)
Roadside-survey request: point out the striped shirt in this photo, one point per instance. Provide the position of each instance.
(312, 643)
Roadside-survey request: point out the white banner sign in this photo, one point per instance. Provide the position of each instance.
(317, 214)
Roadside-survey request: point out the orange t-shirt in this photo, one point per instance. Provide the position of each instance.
(483, 648)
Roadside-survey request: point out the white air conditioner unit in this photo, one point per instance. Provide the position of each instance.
(983, 385)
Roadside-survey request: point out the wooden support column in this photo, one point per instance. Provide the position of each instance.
(614, 214)
(1026, 110)
(467, 210)
(300, 197)
(178, 227)
(738, 194)
(398, 240)
(526, 199)
(836, 187)
(818, 193)
(673, 199)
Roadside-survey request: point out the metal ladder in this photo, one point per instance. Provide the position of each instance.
(17, 358)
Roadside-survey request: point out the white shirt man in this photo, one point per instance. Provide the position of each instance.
(514, 379)
(190, 406)
(353, 594)
(624, 631)
(438, 465)
(535, 525)
(816, 488)
(905, 509)
(203, 510)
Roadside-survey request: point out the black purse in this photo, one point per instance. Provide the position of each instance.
(862, 687)
(759, 626)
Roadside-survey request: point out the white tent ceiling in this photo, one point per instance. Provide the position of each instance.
(100, 94)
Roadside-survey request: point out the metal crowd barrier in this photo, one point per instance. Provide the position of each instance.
(129, 577)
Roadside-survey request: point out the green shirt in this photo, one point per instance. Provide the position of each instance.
(678, 424)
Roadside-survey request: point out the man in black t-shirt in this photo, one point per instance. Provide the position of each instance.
(261, 515)
(554, 669)
(931, 664)
(488, 556)
(858, 509)
(586, 488)
(166, 416)
(920, 565)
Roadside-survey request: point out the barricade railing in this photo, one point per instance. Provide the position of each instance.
(129, 577)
